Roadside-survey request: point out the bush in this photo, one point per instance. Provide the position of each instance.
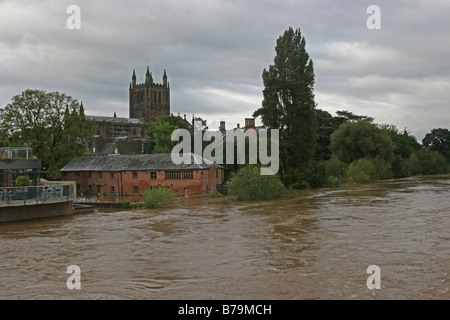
(361, 171)
(382, 169)
(22, 181)
(413, 164)
(432, 162)
(161, 197)
(249, 184)
(325, 174)
(216, 195)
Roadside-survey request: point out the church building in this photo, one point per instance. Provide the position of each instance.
(149, 100)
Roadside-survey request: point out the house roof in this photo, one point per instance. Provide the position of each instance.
(115, 119)
(140, 162)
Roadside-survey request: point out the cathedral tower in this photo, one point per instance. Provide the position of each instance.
(149, 100)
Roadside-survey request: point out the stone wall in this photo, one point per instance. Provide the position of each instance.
(27, 212)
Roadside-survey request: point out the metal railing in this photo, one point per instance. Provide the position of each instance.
(54, 190)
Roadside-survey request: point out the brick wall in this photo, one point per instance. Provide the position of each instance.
(129, 183)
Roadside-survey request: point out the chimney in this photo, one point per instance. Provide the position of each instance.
(249, 123)
(222, 126)
(238, 126)
(184, 117)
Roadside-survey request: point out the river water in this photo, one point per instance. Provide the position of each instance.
(315, 245)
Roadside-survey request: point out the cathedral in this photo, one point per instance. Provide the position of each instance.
(149, 100)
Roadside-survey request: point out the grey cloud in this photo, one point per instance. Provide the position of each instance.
(214, 53)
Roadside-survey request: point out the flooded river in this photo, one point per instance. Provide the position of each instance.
(315, 245)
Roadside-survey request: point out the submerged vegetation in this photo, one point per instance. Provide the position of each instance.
(249, 184)
(158, 197)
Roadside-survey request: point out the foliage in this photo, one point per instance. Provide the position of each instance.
(216, 195)
(360, 139)
(249, 184)
(361, 171)
(160, 133)
(438, 140)
(326, 125)
(52, 123)
(328, 173)
(288, 103)
(22, 181)
(347, 116)
(432, 162)
(158, 197)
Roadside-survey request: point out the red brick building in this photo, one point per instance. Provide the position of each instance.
(132, 175)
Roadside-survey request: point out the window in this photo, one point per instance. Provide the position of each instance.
(135, 175)
(153, 175)
(90, 188)
(135, 189)
(77, 173)
(100, 174)
(178, 174)
(64, 174)
(89, 174)
(112, 188)
(111, 175)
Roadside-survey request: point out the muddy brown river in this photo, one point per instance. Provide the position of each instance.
(315, 245)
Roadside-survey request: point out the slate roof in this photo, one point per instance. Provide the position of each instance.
(140, 162)
(115, 119)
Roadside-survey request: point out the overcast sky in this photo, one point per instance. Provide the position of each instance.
(215, 51)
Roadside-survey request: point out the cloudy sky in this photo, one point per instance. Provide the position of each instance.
(214, 52)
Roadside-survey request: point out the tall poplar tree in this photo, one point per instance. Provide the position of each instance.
(289, 105)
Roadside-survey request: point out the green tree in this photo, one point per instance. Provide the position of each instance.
(405, 146)
(52, 123)
(249, 184)
(326, 125)
(347, 116)
(438, 140)
(361, 139)
(160, 133)
(432, 162)
(361, 171)
(288, 103)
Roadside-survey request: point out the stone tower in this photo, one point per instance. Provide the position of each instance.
(149, 100)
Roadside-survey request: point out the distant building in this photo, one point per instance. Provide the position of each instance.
(149, 100)
(15, 162)
(112, 127)
(124, 175)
